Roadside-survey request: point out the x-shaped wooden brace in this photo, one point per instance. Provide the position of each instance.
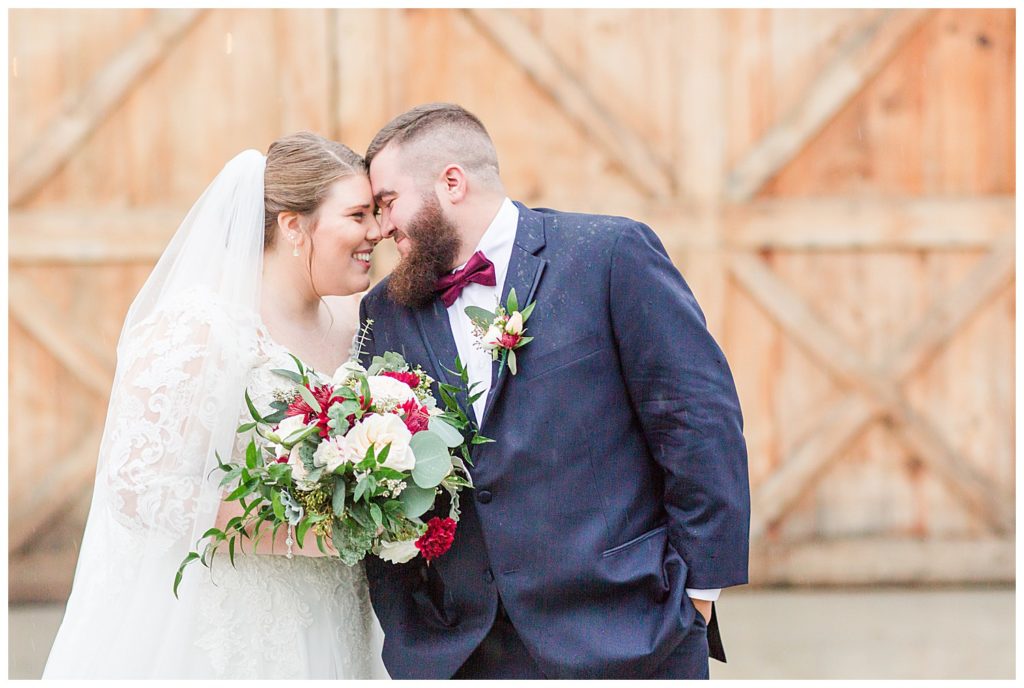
(879, 387)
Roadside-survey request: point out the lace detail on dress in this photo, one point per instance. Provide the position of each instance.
(273, 617)
(173, 373)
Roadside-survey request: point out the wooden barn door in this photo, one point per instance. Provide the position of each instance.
(836, 185)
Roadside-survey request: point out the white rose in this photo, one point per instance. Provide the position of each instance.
(289, 426)
(398, 552)
(299, 471)
(331, 453)
(492, 337)
(347, 370)
(515, 324)
(385, 388)
(378, 431)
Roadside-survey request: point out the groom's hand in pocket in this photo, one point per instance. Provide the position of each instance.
(704, 607)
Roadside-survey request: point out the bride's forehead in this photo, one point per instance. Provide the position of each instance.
(351, 190)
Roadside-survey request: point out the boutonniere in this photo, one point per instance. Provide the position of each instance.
(503, 331)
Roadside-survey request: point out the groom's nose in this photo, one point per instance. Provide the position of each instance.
(373, 232)
(387, 227)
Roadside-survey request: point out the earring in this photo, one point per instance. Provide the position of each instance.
(295, 250)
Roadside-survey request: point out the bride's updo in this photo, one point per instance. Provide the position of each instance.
(300, 169)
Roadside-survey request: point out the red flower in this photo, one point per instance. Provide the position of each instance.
(438, 538)
(299, 407)
(416, 417)
(411, 379)
(508, 341)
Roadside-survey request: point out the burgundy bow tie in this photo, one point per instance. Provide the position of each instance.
(478, 269)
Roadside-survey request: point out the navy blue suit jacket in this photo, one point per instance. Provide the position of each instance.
(618, 475)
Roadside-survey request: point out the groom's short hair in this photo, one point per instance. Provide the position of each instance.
(437, 134)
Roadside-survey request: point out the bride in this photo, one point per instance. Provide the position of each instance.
(252, 275)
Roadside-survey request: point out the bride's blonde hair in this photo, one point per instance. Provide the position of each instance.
(300, 169)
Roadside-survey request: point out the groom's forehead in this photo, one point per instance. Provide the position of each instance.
(384, 170)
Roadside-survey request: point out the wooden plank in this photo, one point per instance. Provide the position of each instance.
(884, 560)
(33, 509)
(55, 236)
(804, 464)
(642, 165)
(860, 57)
(924, 439)
(801, 467)
(87, 109)
(951, 311)
(807, 224)
(36, 316)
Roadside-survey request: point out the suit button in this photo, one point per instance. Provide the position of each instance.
(488, 576)
(483, 496)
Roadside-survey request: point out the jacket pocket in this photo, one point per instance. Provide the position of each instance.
(635, 541)
(429, 595)
(548, 361)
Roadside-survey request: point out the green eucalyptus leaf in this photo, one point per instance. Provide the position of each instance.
(416, 500)
(433, 462)
(449, 435)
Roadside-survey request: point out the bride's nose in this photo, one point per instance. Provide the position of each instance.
(373, 233)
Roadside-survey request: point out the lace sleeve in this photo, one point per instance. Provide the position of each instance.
(175, 402)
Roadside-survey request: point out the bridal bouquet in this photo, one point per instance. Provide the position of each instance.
(357, 462)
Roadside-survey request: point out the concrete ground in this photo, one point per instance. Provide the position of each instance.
(779, 634)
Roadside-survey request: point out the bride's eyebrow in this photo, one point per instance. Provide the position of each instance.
(364, 206)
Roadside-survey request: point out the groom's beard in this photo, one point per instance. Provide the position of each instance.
(435, 247)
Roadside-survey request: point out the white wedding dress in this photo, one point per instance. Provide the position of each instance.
(311, 615)
(192, 343)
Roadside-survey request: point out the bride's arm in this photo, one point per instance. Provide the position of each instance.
(272, 544)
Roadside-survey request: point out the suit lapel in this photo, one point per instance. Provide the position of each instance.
(436, 332)
(524, 273)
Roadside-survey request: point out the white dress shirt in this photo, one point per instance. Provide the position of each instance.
(496, 244)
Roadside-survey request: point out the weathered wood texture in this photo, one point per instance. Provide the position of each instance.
(836, 185)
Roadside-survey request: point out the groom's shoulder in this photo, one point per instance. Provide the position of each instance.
(378, 295)
(580, 229)
(571, 222)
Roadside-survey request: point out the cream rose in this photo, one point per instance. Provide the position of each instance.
(515, 324)
(347, 370)
(379, 430)
(384, 389)
(289, 426)
(492, 338)
(299, 472)
(331, 453)
(398, 552)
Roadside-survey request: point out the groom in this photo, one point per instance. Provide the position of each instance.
(614, 503)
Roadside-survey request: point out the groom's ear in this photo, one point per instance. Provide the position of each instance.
(454, 183)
